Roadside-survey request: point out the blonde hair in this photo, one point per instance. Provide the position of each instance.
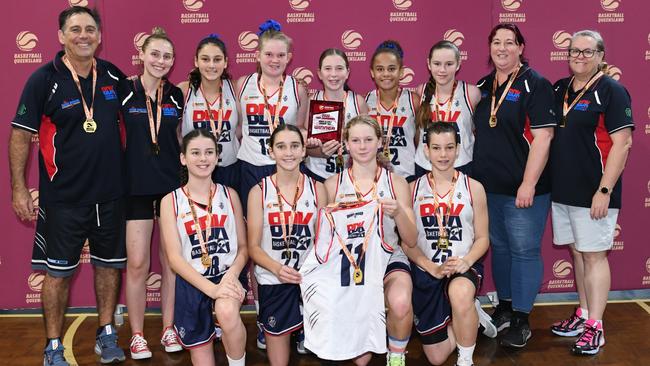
(272, 34)
(157, 33)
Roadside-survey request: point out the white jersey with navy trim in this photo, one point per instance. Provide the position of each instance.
(222, 239)
(255, 128)
(461, 115)
(344, 319)
(459, 226)
(302, 233)
(326, 167)
(402, 140)
(345, 193)
(195, 116)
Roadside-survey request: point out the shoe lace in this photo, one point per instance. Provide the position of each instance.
(108, 340)
(169, 336)
(55, 355)
(573, 319)
(138, 342)
(587, 336)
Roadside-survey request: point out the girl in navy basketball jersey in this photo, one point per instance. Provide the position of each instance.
(333, 71)
(449, 100)
(394, 108)
(211, 103)
(451, 214)
(367, 178)
(588, 154)
(151, 108)
(282, 212)
(204, 237)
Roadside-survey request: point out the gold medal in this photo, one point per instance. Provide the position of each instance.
(443, 242)
(339, 162)
(155, 148)
(90, 126)
(387, 154)
(205, 260)
(358, 276)
(493, 121)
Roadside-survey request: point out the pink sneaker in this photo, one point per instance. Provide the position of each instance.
(139, 348)
(591, 340)
(169, 340)
(570, 327)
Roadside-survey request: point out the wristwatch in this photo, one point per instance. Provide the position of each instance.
(604, 190)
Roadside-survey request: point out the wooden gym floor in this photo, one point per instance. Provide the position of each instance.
(627, 325)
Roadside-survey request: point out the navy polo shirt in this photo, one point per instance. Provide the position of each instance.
(579, 151)
(75, 168)
(500, 153)
(148, 173)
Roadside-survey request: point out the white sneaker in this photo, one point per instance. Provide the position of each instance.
(489, 329)
(170, 341)
(139, 349)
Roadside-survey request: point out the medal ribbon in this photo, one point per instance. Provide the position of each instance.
(393, 114)
(373, 190)
(154, 129)
(565, 107)
(75, 77)
(286, 232)
(442, 230)
(511, 79)
(216, 130)
(449, 103)
(203, 237)
(267, 107)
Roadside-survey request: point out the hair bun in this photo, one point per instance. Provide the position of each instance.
(158, 31)
(269, 25)
(393, 45)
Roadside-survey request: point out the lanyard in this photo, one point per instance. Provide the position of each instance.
(393, 114)
(273, 123)
(154, 129)
(493, 108)
(201, 235)
(286, 231)
(443, 238)
(373, 190)
(565, 107)
(90, 126)
(449, 103)
(216, 130)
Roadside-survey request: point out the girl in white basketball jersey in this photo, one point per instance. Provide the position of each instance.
(282, 212)
(394, 108)
(446, 269)
(448, 100)
(368, 178)
(334, 70)
(204, 237)
(211, 103)
(268, 98)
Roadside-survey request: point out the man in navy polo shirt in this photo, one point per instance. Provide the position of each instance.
(72, 104)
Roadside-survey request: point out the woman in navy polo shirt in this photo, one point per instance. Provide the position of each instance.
(151, 108)
(588, 154)
(514, 128)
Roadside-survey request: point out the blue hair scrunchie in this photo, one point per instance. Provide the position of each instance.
(392, 46)
(213, 35)
(268, 25)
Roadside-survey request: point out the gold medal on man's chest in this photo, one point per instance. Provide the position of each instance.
(90, 126)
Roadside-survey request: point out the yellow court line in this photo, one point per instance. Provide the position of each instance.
(644, 306)
(69, 338)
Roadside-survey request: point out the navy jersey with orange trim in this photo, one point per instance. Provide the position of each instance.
(75, 167)
(501, 152)
(148, 173)
(579, 151)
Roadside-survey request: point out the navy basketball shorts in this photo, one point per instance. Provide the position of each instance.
(431, 307)
(145, 207)
(398, 262)
(61, 232)
(280, 311)
(229, 176)
(250, 176)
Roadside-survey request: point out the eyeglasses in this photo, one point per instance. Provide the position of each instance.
(587, 53)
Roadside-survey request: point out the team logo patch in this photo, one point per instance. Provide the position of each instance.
(69, 103)
(109, 92)
(134, 110)
(582, 105)
(169, 110)
(513, 95)
(181, 332)
(271, 321)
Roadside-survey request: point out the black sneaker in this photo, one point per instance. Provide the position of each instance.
(518, 334)
(501, 318)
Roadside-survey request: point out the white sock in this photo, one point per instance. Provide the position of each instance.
(465, 355)
(584, 314)
(257, 306)
(240, 362)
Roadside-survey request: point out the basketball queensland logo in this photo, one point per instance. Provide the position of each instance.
(403, 13)
(26, 42)
(78, 2)
(300, 15)
(457, 38)
(647, 199)
(303, 74)
(407, 77)
(614, 72)
(513, 12)
(194, 14)
(138, 42)
(351, 41)
(248, 42)
(153, 283)
(646, 279)
(612, 12)
(618, 240)
(35, 284)
(647, 52)
(561, 41)
(562, 270)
